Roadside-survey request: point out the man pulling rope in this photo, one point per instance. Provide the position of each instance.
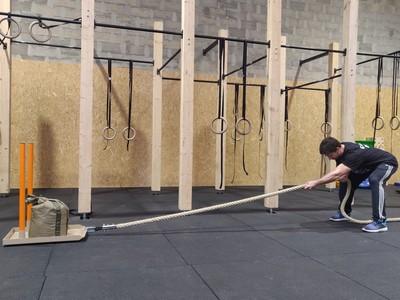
(355, 163)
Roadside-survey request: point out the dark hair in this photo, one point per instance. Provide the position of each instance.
(329, 145)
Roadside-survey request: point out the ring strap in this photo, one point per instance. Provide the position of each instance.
(234, 132)
(108, 102)
(129, 128)
(395, 92)
(244, 69)
(287, 126)
(378, 101)
(261, 128)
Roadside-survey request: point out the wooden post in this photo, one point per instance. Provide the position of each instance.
(186, 113)
(157, 109)
(220, 139)
(5, 106)
(86, 108)
(348, 105)
(273, 116)
(22, 191)
(282, 112)
(334, 104)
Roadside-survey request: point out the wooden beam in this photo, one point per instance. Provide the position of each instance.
(157, 109)
(334, 104)
(186, 112)
(348, 105)
(220, 139)
(5, 106)
(273, 106)
(86, 108)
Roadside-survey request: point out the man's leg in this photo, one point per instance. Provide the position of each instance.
(355, 179)
(378, 180)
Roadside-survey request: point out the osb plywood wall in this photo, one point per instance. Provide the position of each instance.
(45, 111)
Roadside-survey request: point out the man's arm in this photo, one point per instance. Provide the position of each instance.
(340, 172)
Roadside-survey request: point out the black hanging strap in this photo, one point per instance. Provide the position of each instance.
(221, 99)
(378, 101)
(220, 119)
(108, 132)
(244, 82)
(129, 129)
(261, 128)
(395, 120)
(326, 129)
(109, 90)
(287, 126)
(234, 134)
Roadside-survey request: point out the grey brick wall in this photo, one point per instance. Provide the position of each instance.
(309, 23)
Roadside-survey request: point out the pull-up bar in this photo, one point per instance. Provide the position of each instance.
(303, 61)
(314, 49)
(309, 83)
(125, 60)
(168, 61)
(213, 81)
(136, 28)
(249, 64)
(377, 56)
(210, 47)
(37, 17)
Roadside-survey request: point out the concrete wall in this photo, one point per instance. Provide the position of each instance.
(307, 23)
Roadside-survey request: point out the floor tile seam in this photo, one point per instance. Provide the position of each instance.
(45, 270)
(175, 249)
(139, 267)
(370, 236)
(204, 281)
(282, 244)
(248, 261)
(250, 229)
(349, 278)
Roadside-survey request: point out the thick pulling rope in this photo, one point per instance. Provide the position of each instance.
(194, 211)
(353, 220)
(229, 204)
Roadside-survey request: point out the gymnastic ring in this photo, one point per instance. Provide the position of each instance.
(130, 129)
(375, 121)
(398, 122)
(245, 132)
(326, 128)
(43, 26)
(238, 137)
(11, 37)
(224, 125)
(106, 134)
(287, 125)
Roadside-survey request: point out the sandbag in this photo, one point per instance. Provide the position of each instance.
(49, 217)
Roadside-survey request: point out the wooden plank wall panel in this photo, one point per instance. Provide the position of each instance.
(41, 90)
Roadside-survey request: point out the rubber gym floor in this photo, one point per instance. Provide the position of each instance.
(241, 252)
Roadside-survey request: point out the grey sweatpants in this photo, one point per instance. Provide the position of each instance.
(377, 180)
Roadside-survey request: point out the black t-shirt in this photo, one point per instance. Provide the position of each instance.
(362, 159)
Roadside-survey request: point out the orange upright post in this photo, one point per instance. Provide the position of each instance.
(30, 181)
(21, 190)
